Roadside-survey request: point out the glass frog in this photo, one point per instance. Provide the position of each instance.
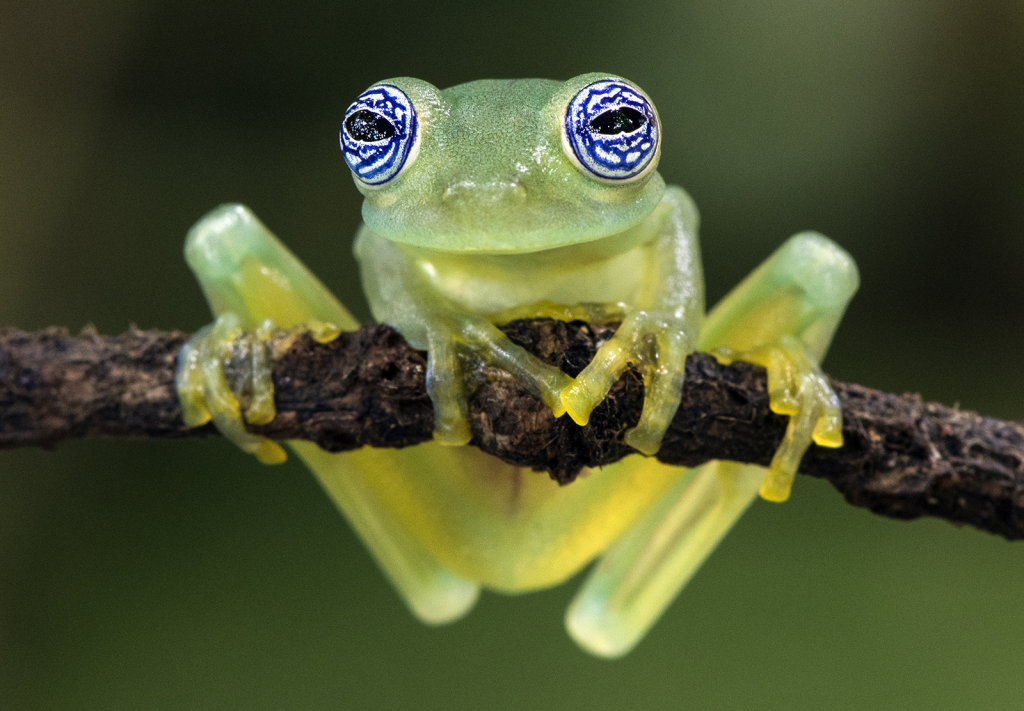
(523, 198)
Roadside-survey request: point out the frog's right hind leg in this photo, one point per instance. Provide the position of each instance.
(251, 280)
(643, 571)
(785, 312)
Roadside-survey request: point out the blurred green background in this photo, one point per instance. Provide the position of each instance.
(149, 575)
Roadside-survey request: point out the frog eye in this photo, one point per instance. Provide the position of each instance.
(380, 134)
(611, 131)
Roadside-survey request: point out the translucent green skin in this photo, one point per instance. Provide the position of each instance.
(493, 218)
(491, 175)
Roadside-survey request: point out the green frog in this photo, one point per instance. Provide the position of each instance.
(500, 199)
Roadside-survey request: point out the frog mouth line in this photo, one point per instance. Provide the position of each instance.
(582, 246)
(508, 222)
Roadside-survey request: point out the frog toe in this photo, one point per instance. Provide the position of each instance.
(661, 359)
(494, 348)
(663, 385)
(797, 388)
(206, 394)
(588, 389)
(480, 342)
(446, 391)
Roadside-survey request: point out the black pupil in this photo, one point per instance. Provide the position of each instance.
(368, 127)
(621, 120)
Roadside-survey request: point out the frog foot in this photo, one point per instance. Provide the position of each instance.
(206, 394)
(476, 340)
(658, 346)
(798, 388)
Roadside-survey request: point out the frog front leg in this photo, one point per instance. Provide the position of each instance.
(659, 330)
(254, 284)
(783, 314)
(399, 286)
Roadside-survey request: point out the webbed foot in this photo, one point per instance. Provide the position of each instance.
(255, 287)
(798, 388)
(658, 346)
(206, 394)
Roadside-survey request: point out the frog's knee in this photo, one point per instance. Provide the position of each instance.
(222, 238)
(822, 268)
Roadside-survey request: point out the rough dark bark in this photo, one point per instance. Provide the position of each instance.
(902, 457)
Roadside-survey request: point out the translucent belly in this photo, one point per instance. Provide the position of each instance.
(509, 528)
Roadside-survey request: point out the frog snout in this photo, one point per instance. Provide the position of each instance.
(484, 192)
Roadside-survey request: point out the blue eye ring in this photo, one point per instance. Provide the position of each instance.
(611, 131)
(380, 135)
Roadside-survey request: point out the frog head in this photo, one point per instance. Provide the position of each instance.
(504, 166)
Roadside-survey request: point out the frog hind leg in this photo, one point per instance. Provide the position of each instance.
(253, 285)
(252, 281)
(644, 570)
(785, 312)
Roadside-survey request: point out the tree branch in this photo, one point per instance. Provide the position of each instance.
(902, 457)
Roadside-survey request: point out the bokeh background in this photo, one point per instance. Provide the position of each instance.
(150, 575)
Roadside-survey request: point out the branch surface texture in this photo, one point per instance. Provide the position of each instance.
(902, 457)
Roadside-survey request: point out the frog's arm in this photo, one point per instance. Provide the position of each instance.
(782, 315)
(657, 333)
(398, 287)
(251, 281)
